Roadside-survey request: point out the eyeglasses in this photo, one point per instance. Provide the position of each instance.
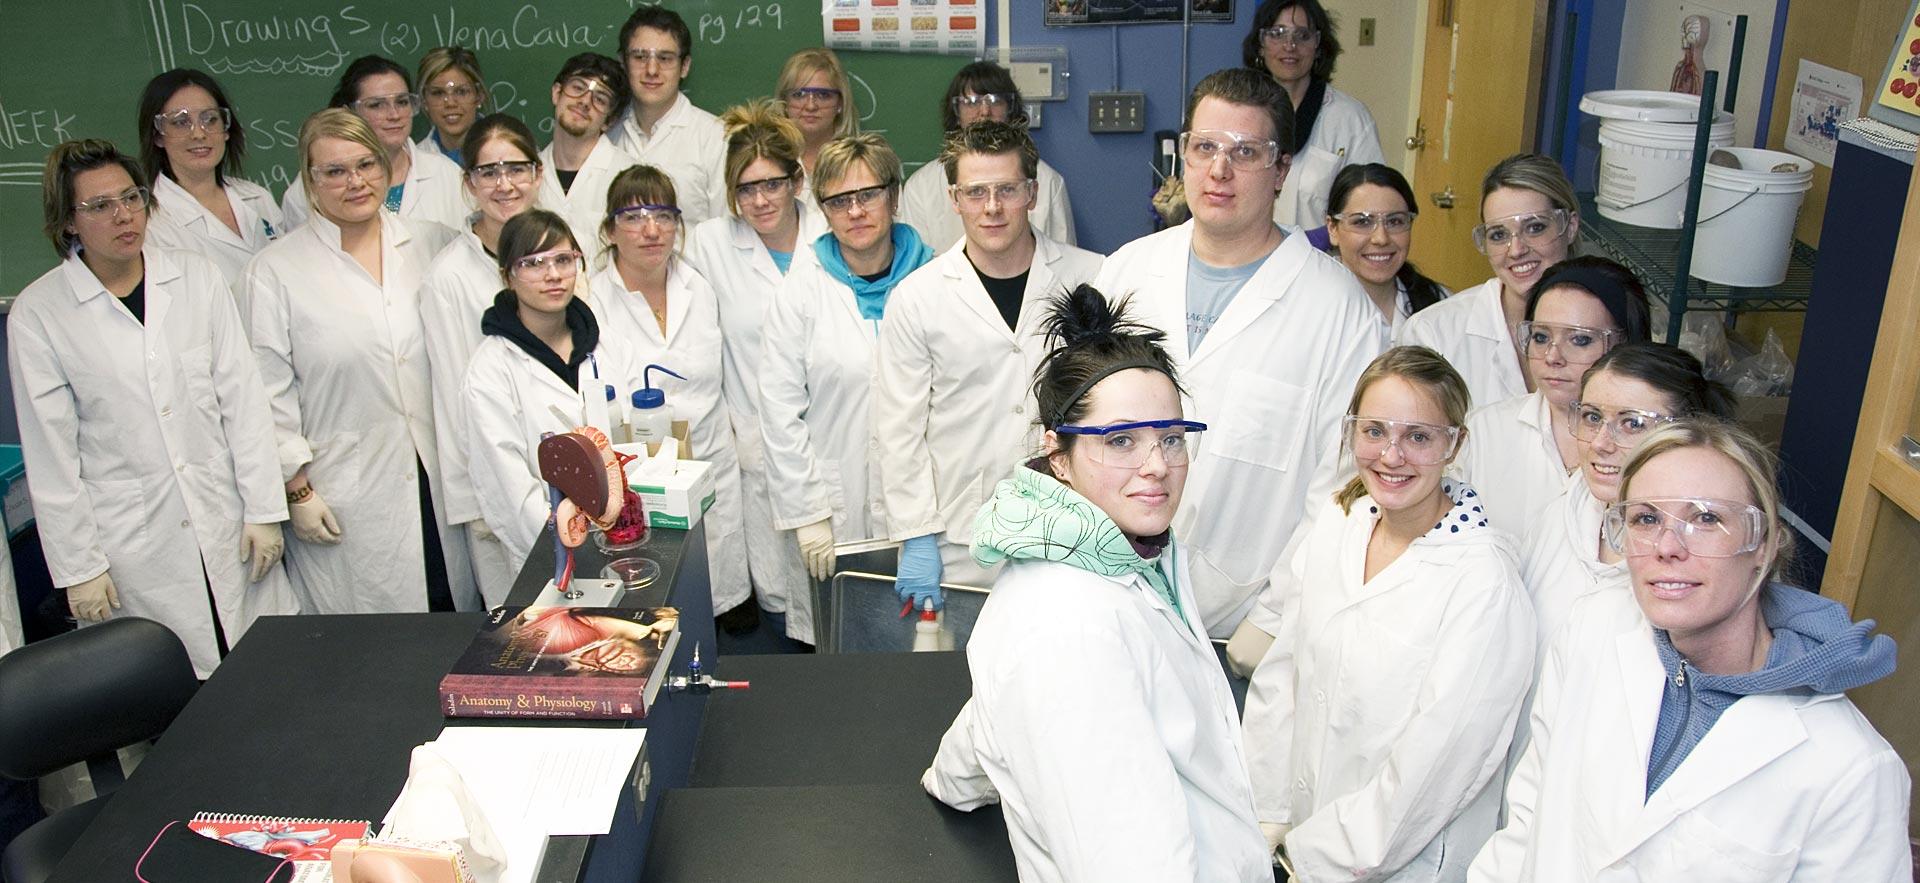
(817, 96)
(635, 217)
(580, 87)
(134, 200)
(512, 171)
(1422, 444)
(1534, 229)
(535, 266)
(1624, 425)
(452, 93)
(865, 197)
(1395, 223)
(988, 101)
(768, 187)
(662, 57)
(1244, 152)
(1297, 36)
(185, 122)
(1577, 344)
(1705, 527)
(1008, 193)
(366, 168)
(1130, 445)
(405, 102)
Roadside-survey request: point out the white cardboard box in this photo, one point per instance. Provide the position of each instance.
(676, 500)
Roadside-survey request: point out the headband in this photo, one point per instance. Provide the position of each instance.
(1604, 286)
(1081, 391)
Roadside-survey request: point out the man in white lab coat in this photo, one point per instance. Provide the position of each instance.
(661, 127)
(589, 93)
(951, 410)
(1270, 335)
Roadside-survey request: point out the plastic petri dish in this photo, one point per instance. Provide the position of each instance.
(632, 573)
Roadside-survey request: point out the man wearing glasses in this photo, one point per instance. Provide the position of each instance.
(661, 127)
(981, 91)
(1269, 334)
(580, 161)
(958, 346)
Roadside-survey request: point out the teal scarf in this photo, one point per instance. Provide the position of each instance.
(908, 254)
(1034, 516)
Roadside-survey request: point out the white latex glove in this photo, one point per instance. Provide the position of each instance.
(1276, 833)
(1247, 647)
(93, 600)
(262, 545)
(314, 522)
(816, 546)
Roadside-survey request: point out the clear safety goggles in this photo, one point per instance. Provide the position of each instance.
(768, 187)
(1395, 223)
(635, 217)
(514, 171)
(338, 175)
(185, 122)
(133, 199)
(1422, 444)
(599, 96)
(1703, 526)
(1289, 35)
(1625, 426)
(989, 101)
(975, 194)
(1533, 228)
(1577, 344)
(867, 198)
(1244, 152)
(813, 96)
(402, 102)
(1131, 445)
(451, 93)
(564, 262)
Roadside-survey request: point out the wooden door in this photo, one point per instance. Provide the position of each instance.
(1479, 99)
(1876, 539)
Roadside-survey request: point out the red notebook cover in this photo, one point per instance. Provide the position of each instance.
(563, 662)
(300, 840)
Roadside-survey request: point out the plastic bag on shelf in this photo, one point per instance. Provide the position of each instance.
(1704, 334)
(1766, 373)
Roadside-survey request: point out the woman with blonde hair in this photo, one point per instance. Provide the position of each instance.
(454, 92)
(815, 92)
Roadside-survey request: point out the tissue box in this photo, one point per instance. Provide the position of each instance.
(676, 500)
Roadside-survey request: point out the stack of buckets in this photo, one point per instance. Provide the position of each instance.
(1744, 235)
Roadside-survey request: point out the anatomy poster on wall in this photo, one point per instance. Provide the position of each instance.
(1121, 12)
(948, 27)
(1823, 98)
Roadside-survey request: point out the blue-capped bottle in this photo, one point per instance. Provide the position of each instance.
(652, 419)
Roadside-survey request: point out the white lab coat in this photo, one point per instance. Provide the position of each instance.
(816, 371)
(688, 144)
(584, 205)
(1302, 201)
(1560, 560)
(1378, 722)
(510, 401)
(345, 364)
(11, 635)
(1792, 786)
(1509, 455)
(180, 221)
(1271, 380)
(1345, 129)
(435, 192)
(953, 410)
(692, 347)
(1112, 746)
(1470, 330)
(148, 446)
(731, 256)
(925, 206)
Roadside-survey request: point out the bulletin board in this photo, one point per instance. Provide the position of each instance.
(1897, 101)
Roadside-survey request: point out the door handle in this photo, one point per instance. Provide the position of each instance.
(1443, 199)
(1419, 138)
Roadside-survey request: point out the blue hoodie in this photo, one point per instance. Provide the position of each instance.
(908, 254)
(1816, 649)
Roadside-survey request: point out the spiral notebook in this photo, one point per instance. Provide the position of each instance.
(306, 842)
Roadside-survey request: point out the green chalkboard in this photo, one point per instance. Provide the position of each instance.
(74, 69)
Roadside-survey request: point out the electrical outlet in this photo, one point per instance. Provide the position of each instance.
(1116, 112)
(1366, 32)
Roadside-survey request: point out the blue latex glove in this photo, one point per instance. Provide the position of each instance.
(918, 578)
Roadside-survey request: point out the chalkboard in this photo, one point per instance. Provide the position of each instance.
(74, 69)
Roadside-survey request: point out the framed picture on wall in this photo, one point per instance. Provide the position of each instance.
(1897, 100)
(1123, 12)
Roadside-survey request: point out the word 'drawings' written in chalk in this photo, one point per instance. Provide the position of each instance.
(228, 38)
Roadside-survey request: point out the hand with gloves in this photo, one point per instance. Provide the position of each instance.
(816, 547)
(93, 600)
(260, 544)
(1276, 834)
(1247, 647)
(313, 521)
(918, 577)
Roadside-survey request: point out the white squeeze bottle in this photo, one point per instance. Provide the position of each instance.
(617, 417)
(652, 420)
(930, 633)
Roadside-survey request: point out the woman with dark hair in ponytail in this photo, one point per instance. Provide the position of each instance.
(1370, 214)
(1098, 715)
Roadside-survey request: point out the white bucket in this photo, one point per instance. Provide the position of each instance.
(1644, 168)
(1745, 233)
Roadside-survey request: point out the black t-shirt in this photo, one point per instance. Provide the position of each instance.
(875, 277)
(136, 301)
(566, 178)
(1006, 294)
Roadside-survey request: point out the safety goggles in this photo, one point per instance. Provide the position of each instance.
(133, 199)
(975, 194)
(865, 197)
(1533, 228)
(634, 217)
(1396, 223)
(186, 122)
(451, 93)
(814, 96)
(565, 262)
(1130, 445)
(1285, 34)
(580, 87)
(515, 171)
(338, 175)
(769, 187)
(1625, 426)
(1577, 344)
(989, 101)
(1705, 527)
(404, 102)
(1244, 152)
(1422, 444)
